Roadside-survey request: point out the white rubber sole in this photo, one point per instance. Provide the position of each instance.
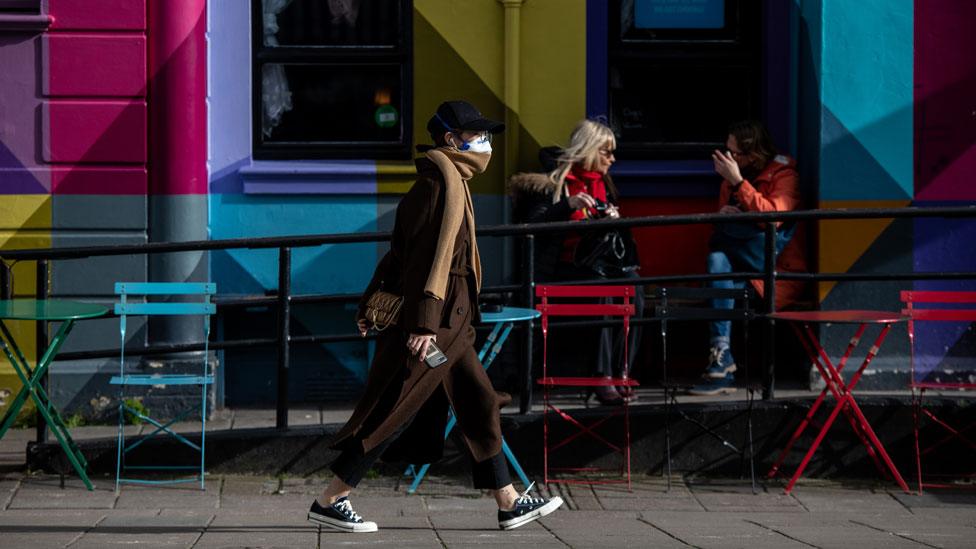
(511, 524)
(342, 526)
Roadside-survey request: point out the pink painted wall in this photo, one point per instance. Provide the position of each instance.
(945, 100)
(94, 80)
(178, 85)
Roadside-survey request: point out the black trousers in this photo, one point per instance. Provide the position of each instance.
(352, 464)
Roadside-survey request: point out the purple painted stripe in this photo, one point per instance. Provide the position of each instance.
(21, 181)
(310, 187)
(310, 177)
(15, 178)
(662, 168)
(354, 168)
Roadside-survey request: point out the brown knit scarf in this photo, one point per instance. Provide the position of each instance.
(457, 167)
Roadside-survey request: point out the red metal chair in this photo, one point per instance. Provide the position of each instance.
(942, 306)
(586, 308)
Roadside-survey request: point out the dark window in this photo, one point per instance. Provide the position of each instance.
(332, 78)
(680, 71)
(21, 6)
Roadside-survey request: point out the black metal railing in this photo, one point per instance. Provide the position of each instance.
(284, 299)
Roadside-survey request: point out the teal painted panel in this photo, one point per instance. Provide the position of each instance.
(336, 268)
(867, 79)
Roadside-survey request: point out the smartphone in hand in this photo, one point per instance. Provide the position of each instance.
(435, 357)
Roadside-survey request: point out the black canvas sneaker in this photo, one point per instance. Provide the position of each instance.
(339, 516)
(527, 509)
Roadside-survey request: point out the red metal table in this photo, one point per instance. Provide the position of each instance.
(843, 392)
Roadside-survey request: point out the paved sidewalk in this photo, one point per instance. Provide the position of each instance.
(257, 512)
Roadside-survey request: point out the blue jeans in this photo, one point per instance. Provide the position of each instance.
(720, 330)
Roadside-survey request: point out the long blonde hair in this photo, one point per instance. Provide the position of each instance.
(588, 137)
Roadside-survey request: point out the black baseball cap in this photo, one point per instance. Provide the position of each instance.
(461, 115)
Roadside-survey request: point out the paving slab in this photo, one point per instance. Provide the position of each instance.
(253, 419)
(34, 527)
(258, 528)
(719, 502)
(606, 529)
(929, 530)
(45, 492)
(179, 496)
(248, 486)
(7, 490)
(238, 511)
(719, 530)
(287, 502)
(942, 500)
(304, 416)
(866, 500)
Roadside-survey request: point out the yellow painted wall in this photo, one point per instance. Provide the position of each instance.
(459, 54)
(841, 242)
(25, 222)
(553, 73)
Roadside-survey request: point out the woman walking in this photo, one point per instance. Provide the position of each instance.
(433, 263)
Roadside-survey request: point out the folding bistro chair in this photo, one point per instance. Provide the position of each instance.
(940, 306)
(623, 310)
(684, 304)
(125, 308)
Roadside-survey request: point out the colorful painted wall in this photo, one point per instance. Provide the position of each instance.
(873, 97)
(458, 53)
(896, 89)
(73, 153)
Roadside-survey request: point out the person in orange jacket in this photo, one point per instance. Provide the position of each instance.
(755, 179)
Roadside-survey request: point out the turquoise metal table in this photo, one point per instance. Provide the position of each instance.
(504, 320)
(50, 310)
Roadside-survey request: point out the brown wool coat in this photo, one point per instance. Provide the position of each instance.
(400, 386)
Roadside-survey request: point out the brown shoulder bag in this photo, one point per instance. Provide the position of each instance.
(383, 309)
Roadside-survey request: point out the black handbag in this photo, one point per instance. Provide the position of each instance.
(609, 254)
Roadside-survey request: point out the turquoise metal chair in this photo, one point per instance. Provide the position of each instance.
(124, 308)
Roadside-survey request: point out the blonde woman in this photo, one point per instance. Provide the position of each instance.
(579, 189)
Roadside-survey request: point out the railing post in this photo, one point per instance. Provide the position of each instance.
(284, 335)
(525, 399)
(41, 339)
(769, 304)
(5, 287)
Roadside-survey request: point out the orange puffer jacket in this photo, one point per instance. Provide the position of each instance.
(776, 189)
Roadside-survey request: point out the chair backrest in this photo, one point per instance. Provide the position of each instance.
(203, 307)
(685, 303)
(563, 308)
(941, 306)
(585, 293)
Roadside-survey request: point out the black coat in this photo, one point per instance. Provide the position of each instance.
(400, 386)
(532, 202)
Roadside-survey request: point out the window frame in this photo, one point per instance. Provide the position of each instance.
(400, 54)
(740, 46)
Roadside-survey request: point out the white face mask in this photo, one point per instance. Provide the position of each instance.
(478, 145)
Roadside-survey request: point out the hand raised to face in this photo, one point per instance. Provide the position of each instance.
(726, 166)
